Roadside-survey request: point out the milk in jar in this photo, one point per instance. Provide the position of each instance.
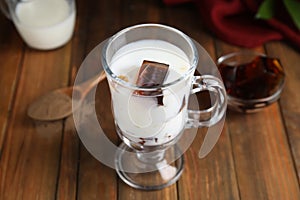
(45, 24)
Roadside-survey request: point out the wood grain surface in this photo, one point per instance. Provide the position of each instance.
(257, 155)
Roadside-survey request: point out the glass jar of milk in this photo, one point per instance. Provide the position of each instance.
(43, 24)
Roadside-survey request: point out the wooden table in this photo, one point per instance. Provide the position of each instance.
(256, 157)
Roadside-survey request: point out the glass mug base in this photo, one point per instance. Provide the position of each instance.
(159, 169)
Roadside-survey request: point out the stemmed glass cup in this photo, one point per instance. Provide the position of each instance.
(151, 118)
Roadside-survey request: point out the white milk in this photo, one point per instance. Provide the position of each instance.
(45, 24)
(140, 118)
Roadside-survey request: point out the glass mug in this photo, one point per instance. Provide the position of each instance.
(150, 118)
(43, 24)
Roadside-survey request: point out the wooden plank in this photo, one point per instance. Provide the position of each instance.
(128, 193)
(67, 180)
(69, 162)
(95, 180)
(212, 177)
(262, 158)
(11, 52)
(290, 98)
(30, 161)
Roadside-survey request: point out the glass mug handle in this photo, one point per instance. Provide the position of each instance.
(212, 115)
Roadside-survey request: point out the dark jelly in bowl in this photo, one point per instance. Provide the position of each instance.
(252, 80)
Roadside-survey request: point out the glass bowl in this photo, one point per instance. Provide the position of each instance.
(252, 80)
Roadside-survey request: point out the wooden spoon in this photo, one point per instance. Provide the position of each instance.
(57, 104)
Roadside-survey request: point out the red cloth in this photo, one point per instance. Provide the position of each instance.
(233, 21)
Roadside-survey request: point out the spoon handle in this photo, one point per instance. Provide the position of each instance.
(86, 86)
